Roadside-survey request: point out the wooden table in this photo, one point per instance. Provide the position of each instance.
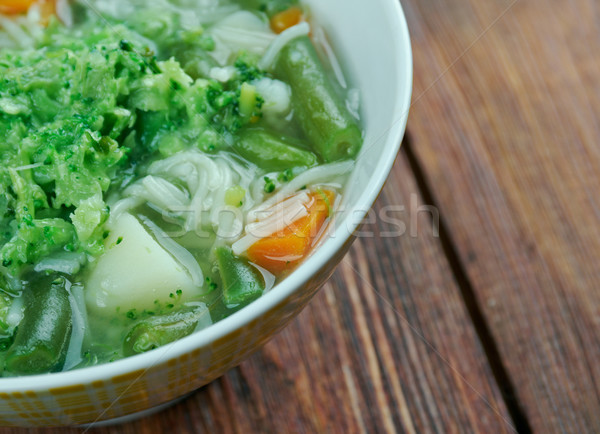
(492, 326)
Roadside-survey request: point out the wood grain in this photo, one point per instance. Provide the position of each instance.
(386, 346)
(507, 140)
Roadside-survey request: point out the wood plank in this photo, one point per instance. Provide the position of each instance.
(508, 142)
(386, 346)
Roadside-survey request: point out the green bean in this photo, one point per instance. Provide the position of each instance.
(42, 337)
(322, 114)
(271, 152)
(242, 283)
(160, 330)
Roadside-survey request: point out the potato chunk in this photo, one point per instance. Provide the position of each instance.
(134, 272)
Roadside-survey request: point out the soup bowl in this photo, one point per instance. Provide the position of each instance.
(372, 41)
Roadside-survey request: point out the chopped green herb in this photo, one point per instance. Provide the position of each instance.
(125, 45)
(285, 176)
(269, 185)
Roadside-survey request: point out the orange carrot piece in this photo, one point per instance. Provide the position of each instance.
(15, 6)
(286, 19)
(283, 250)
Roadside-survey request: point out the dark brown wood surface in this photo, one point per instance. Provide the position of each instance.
(508, 146)
(493, 326)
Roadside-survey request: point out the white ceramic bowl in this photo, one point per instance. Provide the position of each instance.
(371, 38)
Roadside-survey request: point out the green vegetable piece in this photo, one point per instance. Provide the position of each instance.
(161, 330)
(271, 152)
(247, 99)
(42, 338)
(234, 196)
(242, 283)
(270, 7)
(195, 61)
(322, 114)
(269, 185)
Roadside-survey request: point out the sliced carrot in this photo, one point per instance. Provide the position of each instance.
(283, 250)
(286, 19)
(15, 6)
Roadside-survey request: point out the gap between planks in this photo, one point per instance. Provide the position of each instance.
(482, 328)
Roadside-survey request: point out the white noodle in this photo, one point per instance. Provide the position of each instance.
(15, 32)
(79, 321)
(302, 197)
(281, 41)
(64, 13)
(268, 277)
(242, 30)
(273, 220)
(29, 166)
(278, 221)
(244, 243)
(353, 102)
(122, 206)
(161, 192)
(321, 41)
(204, 319)
(181, 255)
(312, 176)
(207, 180)
(62, 262)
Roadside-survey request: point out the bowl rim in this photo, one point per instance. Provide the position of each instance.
(343, 232)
